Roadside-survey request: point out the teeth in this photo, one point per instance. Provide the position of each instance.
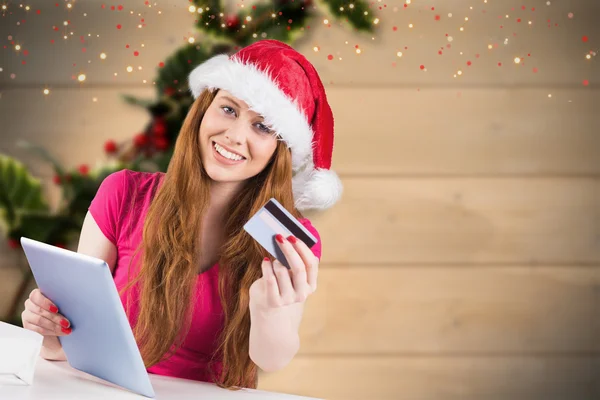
(227, 154)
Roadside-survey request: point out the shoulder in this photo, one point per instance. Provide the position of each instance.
(137, 178)
(124, 180)
(317, 248)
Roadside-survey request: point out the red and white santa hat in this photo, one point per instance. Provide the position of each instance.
(280, 84)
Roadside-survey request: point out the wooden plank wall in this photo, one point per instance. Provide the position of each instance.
(464, 259)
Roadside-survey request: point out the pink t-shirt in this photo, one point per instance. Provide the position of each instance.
(123, 224)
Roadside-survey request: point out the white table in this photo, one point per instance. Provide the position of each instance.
(57, 380)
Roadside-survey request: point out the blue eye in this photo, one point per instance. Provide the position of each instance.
(224, 107)
(264, 128)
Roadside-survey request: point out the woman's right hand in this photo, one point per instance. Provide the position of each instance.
(42, 316)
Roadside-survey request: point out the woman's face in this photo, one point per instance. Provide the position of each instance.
(234, 143)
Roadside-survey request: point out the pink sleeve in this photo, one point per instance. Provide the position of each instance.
(316, 249)
(106, 205)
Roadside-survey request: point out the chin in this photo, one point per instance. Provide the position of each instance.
(218, 175)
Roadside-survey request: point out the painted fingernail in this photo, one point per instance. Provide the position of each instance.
(64, 323)
(266, 259)
(291, 239)
(279, 238)
(53, 309)
(66, 330)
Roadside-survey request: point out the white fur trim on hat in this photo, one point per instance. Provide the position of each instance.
(258, 89)
(316, 188)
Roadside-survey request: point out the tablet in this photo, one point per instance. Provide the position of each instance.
(102, 343)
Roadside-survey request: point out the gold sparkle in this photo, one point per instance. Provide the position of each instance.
(81, 78)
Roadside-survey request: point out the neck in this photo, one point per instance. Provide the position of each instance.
(221, 195)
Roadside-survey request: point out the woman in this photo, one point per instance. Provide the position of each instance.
(204, 300)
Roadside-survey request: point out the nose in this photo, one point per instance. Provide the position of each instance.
(236, 135)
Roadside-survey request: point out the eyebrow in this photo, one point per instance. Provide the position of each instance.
(238, 106)
(231, 100)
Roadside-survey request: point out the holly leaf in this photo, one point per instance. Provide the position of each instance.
(19, 192)
(45, 227)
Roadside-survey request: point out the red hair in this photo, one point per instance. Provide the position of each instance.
(170, 257)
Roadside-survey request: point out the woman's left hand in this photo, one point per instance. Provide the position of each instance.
(279, 287)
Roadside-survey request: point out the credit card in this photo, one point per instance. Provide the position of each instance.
(272, 219)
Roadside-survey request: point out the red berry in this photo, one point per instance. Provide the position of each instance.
(13, 243)
(110, 146)
(57, 180)
(61, 245)
(161, 143)
(140, 140)
(83, 169)
(159, 128)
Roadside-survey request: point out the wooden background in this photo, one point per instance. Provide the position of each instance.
(464, 259)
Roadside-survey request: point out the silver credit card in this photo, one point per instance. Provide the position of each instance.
(272, 219)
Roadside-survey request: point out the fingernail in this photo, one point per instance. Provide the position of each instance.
(266, 259)
(279, 238)
(66, 330)
(53, 309)
(64, 323)
(291, 239)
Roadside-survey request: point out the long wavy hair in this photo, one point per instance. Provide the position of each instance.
(170, 254)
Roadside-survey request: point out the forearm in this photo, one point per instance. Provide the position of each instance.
(274, 339)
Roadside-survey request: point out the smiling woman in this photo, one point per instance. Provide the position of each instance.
(204, 300)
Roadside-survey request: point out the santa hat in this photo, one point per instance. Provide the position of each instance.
(280, 84)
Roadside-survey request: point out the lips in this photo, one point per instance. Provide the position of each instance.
(224, 160)
(228, 149)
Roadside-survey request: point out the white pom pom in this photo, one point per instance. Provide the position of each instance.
(318, 189)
